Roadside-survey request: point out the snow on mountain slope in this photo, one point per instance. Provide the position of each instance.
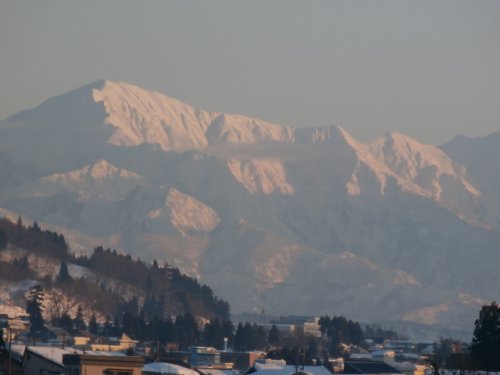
(101, 180)
(480, 156)
(236, 129)
(429, 172)
(56, 301)
(425, 165)
(261, 176)
(188, 214)
(141, 116)
(309, 281)
(131, 116)
(138, 170)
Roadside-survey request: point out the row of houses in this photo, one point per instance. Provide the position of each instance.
(199, 359)
(48, 360)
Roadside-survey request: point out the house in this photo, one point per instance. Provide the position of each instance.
(368, 367)
(102, 364)
(241, 360)
(60, 335)
(214, 371)
(164, 368)
(203, 356)
(279, 367)
(113, 344)
(207, 360)
(306, 325)
(410, 368)
(81, 341)
(15, 326)
(43, 360)
(178, 357)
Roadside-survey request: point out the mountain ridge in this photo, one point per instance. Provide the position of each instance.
(223, 194)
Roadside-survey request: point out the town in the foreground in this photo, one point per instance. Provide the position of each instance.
(290, 345)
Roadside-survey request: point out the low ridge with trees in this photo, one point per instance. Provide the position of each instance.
(107, 283)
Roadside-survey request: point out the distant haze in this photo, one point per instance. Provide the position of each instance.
(428, 69)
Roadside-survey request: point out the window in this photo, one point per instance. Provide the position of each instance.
(111, 371)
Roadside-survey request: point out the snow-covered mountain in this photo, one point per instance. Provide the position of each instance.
(292, 220)
(480, 156)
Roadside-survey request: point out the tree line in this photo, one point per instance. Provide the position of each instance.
(482, 354)
(33, 238)
(164, 289)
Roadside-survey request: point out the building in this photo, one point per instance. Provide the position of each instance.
(368, 367)
(81, 341)
(165, 368)
(306, 325)
(311, 327)
(59, 336)
(93, 364)
(43, 360)
(279, 367)
(241, 360)
(12, 327)
(113, 344)
(202, 356)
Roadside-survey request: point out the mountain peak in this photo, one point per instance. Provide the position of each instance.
(423, 168)
(400, 151)
(139, 116)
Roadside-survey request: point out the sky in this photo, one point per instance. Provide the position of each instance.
(428, 69)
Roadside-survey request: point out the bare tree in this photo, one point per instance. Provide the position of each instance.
(59, 304)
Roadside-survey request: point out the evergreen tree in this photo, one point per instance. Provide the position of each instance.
(239, 339)
(186, 330)
(2, 342)
(108, 327)
(79, 323)
(274, 335)
(212, 334)
(63, 275)
(258, 335)
(150, 306)
(93, 327)
(486, 340)
(3, 240)
(36, 227)
(335, 349)
(66, 322)
(228, 331)
(34, 307)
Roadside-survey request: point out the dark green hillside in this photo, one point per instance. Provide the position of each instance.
(164, 290)
(164, 287)
(33, 238)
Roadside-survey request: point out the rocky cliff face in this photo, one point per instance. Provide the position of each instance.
(286, 219)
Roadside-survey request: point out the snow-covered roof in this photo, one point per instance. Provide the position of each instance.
(52, 353)
(383, 353)
(213, 371)
(277, 369)
(55, 354)
(167, 368)
(105, 352)
(18, 350)
(360, 356)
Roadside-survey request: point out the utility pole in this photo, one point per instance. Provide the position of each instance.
(10, 351)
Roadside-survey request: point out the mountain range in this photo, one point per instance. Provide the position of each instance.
(290, 220)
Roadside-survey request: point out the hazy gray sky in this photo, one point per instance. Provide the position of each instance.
(430, 69)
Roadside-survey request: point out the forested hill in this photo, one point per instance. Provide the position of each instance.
(107, 282)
